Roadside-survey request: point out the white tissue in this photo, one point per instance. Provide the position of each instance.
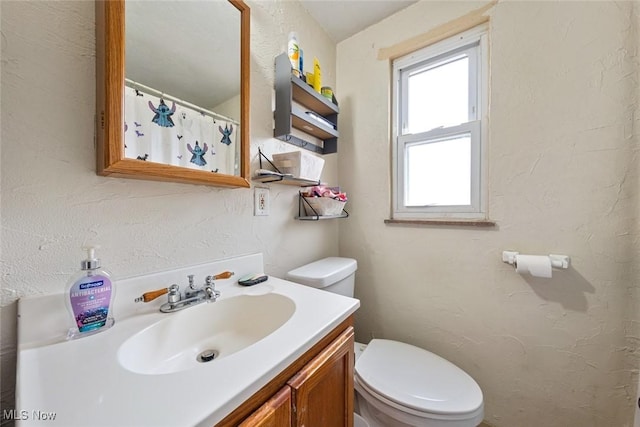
(536, 265)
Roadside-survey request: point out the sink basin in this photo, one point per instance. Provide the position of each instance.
(198, 336)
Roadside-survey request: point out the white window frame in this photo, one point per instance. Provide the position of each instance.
(473, 43)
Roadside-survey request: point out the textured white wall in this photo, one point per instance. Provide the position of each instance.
(53, 202)
(563, 178)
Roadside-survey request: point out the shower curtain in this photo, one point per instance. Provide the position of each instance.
(162, 131)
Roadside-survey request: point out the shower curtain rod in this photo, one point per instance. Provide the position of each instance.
(152, 91)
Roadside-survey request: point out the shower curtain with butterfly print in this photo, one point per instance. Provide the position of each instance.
(162, 131)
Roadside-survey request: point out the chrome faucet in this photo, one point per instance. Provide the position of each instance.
(192, 295)
(191, 290)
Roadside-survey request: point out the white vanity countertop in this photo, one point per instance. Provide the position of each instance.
(81, 382)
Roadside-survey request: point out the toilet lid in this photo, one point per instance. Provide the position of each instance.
(417, 379)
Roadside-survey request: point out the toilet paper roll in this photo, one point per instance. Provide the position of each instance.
(536, 265)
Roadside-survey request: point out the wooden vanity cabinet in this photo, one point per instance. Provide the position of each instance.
(275, 412)
(322, 392)
(314, 391)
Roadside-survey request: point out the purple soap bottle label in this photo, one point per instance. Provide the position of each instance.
(90, 299)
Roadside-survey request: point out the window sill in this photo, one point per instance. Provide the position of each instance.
(482, 223)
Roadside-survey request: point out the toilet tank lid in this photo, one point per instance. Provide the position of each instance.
(324, 272)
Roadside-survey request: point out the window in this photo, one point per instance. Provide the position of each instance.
(439, 125)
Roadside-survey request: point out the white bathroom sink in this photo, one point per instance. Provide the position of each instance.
(192, 336)
(145, 366)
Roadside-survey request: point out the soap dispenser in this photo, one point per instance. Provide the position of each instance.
(90, 294)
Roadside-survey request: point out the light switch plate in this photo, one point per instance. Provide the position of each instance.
(260, 201)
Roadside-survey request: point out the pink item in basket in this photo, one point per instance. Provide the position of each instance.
(324, 191)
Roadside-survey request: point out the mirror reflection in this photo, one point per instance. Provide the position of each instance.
(182, 90)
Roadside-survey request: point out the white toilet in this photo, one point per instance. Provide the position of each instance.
(398, 384)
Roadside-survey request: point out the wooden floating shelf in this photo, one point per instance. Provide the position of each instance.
(307, 124)
(305, 95)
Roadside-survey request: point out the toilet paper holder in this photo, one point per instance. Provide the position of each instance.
(557, 261)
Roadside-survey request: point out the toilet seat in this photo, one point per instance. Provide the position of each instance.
(416, 381)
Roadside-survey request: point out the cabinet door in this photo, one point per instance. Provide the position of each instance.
(275, 412)
(322, 391)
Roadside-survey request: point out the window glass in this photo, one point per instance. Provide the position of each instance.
(438, 95)
(438, 173)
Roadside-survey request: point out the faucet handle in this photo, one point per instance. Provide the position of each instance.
(208, 281)
(174, 293)
(151, 295)
(223, 275)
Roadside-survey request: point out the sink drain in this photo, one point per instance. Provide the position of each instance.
(207, 356)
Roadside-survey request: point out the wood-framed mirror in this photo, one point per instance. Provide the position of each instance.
(202, 163)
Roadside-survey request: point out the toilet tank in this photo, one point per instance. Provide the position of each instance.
(333, 274)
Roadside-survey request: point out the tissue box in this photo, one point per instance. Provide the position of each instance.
(299, 164)
(324, 206)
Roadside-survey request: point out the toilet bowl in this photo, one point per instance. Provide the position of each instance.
(398, 384)
(358, 421)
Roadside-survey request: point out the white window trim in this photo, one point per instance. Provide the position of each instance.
(478, 127)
